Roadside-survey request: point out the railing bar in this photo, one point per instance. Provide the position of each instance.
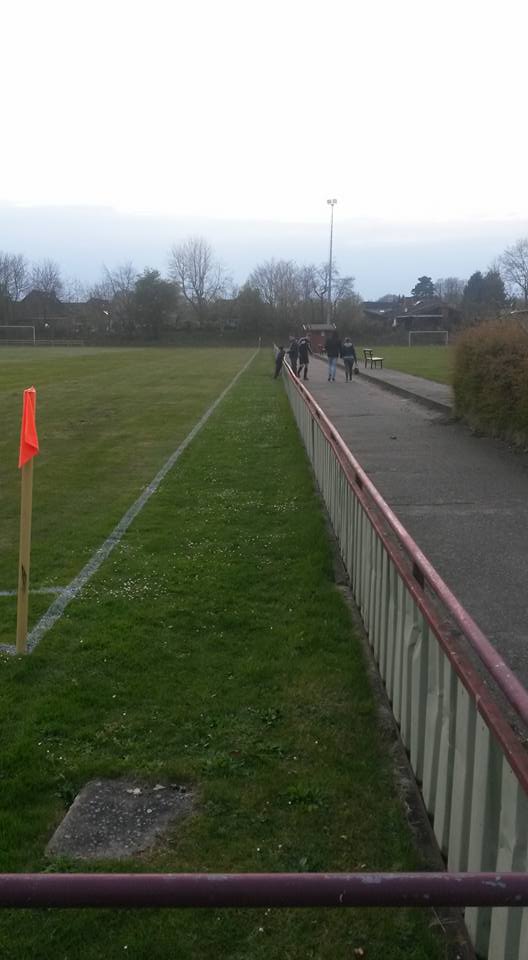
(44, 890)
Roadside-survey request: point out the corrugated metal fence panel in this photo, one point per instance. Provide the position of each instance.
(464, 751)
(438, 777)
(506, 922)
(484, 825)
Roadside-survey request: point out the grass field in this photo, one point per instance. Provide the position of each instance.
(212, 649)
(107, 420)
(433, 363)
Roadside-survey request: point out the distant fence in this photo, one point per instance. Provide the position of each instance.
(41, 343)
(59, 343)
(436, 665)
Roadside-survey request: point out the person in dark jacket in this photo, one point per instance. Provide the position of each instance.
(304, 356)
(348, 353)
(279, 358)
(293, 351)
(333, 349)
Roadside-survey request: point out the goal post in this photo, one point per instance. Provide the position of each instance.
(431, 337)
(16, 334)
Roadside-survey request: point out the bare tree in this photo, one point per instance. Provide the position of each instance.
(118, 288)
(279, 284)
(342, 288)
(295, 293)
(14, 276)
(73, 290)
(264, 279)
(450, 289)
(514, 266)
(13, 283)
(200, 277)
(315, 285)
(120, 282)
(46, 278)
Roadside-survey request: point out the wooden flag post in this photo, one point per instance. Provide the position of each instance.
(26, 504)
(29, 446)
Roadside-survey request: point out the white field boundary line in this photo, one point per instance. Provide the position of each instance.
(14, 593)
(57, 608)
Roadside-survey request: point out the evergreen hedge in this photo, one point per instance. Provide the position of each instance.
(491, 379)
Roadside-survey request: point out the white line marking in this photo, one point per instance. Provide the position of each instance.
(69, 593)
(14, 593)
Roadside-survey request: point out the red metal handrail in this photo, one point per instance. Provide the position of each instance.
(219, 890)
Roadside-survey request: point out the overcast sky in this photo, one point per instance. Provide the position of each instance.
(408, 112)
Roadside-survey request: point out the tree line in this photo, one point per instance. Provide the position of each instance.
(198, 293)
(485, 295)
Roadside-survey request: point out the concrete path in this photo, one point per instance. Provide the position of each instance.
(438, 396)
(464, 499)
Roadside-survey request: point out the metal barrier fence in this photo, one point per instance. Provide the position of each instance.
(439, 671)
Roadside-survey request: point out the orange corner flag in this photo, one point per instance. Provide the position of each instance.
(29, 444)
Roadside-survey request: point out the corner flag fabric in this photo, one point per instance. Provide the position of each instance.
(29, 445)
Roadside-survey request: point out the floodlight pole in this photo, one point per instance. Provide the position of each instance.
(332, 204)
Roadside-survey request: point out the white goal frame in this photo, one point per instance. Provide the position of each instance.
(9, 341)
(443, 333)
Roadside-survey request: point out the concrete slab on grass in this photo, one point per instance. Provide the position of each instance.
(115, 819)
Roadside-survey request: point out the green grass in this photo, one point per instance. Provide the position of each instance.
(433, 363)
(214, 650)
(107, 420)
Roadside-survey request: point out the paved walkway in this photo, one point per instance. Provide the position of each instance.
(438, 396)
(464, 499)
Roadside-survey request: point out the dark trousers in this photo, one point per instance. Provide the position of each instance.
(349, 365)
(303, 366)
(293, 363)
(278, 368)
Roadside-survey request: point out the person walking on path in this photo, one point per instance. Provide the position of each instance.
(278, 362)
(304, 357)
(348, 353)
(333, 350)
(293, 351)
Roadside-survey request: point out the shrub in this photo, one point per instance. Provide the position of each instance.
(491, 379)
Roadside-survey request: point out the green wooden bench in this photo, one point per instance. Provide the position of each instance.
(369, 358)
